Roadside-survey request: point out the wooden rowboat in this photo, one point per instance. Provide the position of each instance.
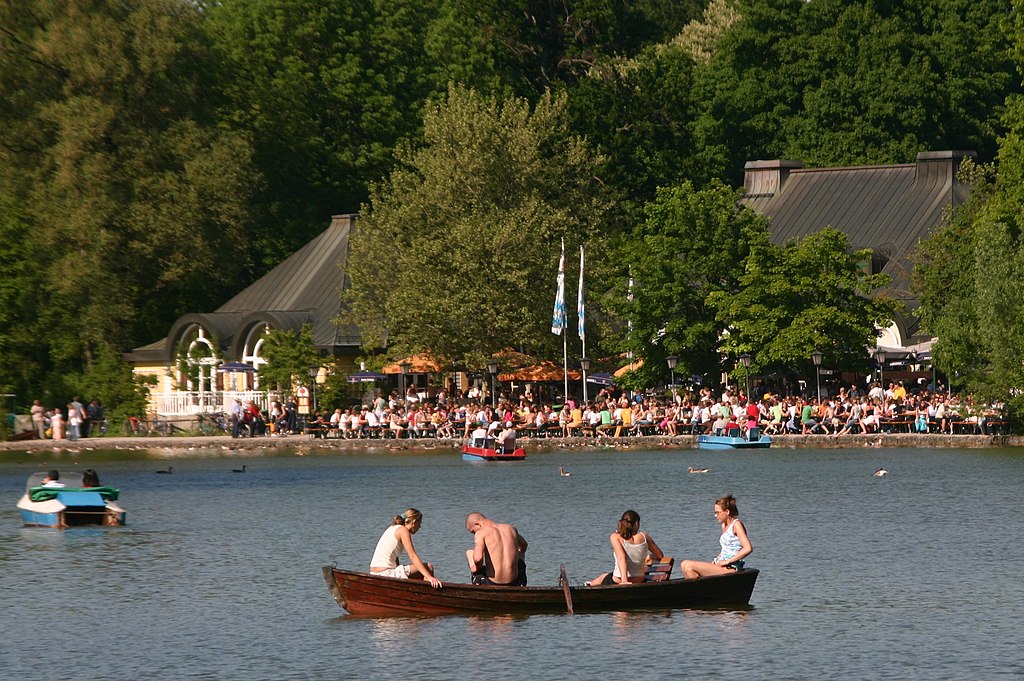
(362, 593)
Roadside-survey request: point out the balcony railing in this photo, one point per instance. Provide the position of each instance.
(185, 403)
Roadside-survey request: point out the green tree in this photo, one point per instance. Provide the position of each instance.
(806, 295)
(289, 355)
(832, 82)
(525, 47)
(325, 91)
(135, 201)
(457, 251)
(692, 244)
(640, 114)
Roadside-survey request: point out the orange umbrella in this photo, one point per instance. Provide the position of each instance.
(511, 359)
(545, 371)
(622, 371)
(419, 364)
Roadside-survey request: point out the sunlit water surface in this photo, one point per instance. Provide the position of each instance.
(217, 575)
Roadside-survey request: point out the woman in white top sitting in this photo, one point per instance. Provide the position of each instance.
(631, 548)
(396, 539)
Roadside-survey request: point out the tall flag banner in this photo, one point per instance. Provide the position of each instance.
(581, 307)
(558, 320)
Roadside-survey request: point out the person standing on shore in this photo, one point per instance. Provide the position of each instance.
(57, 424)
(74, 422)
(38, 412)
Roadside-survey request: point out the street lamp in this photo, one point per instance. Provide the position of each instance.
(817, 356)
(585, 365)
(406, 367)
(492, 369)
(745, 359)
(313, 372)
(880, 358)
(672, 361)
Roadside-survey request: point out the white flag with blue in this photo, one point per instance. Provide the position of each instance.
(581, 304)
(558, 316)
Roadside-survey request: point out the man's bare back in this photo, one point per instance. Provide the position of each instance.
(497, 552)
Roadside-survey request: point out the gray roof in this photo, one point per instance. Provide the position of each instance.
(304, 288)
(888, 209)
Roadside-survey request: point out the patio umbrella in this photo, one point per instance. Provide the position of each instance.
(538, 373)
(418, 364)
(364, 376)
(622, 371)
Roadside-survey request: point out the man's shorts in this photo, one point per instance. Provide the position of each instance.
(481, 579)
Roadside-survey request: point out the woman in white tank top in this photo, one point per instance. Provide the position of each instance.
(631, 548)
(396, 539)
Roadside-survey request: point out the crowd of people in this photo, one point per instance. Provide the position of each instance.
(498, 555)
(609, 414)
(72, 421)
(850, 410)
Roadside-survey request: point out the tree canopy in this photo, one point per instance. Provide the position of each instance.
(804, 296)
(457, 251)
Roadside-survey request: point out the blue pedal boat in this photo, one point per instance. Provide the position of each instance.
(69, 506)
(754, 440)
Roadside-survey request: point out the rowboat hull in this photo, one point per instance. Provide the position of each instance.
(723, 442)
(470, 453)
(361, 593)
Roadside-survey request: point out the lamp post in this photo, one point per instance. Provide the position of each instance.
(880, 358)
(585, 365)
(745, 359)
(492, 369)
(817, 356)
(313, 372)
(406, 367)
(672, 361)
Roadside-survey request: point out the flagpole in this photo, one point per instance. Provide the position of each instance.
(582, 326)
(565, 363)
(558, 320)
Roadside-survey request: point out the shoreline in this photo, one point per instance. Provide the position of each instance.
(220, 443)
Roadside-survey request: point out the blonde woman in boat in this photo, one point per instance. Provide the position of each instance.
(734, 542)
(631, 548)
(393, 542)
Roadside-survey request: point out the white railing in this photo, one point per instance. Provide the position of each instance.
(183, 403)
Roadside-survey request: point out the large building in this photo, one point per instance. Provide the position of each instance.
(223, 346)
(888, 209)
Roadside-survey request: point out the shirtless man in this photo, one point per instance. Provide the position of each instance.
(497, 554)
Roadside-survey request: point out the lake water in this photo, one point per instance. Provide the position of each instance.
(217, 575)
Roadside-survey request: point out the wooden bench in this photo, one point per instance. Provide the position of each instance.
(659, 571)
(314, 431)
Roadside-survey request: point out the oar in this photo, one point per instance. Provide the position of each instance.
(563, 580)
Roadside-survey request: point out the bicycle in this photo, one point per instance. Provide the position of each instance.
(161, 427)
(133, 425)
(213, 424)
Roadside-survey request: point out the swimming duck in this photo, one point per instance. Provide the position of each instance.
(691, 469)
(880, 473)
(165, 472)
(564, 473)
